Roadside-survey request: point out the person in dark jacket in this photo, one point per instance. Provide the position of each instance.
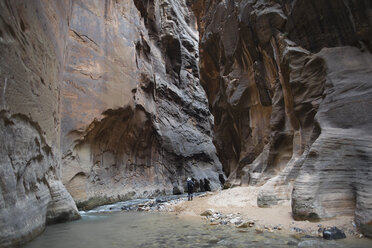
(190, 188)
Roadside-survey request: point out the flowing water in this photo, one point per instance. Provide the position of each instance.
(151, 229)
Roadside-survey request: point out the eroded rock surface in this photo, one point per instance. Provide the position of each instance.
(32, 42)
(288, 83)
(113, 87)
(335, 177)
(135, 119)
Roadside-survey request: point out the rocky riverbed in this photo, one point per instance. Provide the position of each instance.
(155, 229)
(161, 204)
(242, 213)
(237, 207)
(172, 221)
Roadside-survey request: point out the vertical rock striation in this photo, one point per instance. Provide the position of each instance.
(32, 46)
(288, 83)
(113, 87)
(135, 119)
(335, 177)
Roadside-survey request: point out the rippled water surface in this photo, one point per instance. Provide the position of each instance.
(143, 229)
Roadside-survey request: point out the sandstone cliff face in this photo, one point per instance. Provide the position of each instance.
(289, 85)
(32, 46)
(113, 87)
(135, 119)
(335, 178)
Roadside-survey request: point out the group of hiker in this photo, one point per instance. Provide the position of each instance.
(193, 184)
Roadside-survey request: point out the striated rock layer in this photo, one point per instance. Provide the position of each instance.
(289, 85)
(32, 46)
(135, 119)
(112, 87)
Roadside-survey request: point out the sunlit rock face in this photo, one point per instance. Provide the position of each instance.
(135, 119)
(32, 47)
(289, 85)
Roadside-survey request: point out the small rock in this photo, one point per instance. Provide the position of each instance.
(208, 212)
(159, 200)
(223, 222)
(296, 229)
(216, 215)
(292, 243)
(236, 221)
(243, 225)
(259, 230)
(333, 233)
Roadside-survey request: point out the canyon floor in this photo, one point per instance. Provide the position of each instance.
(241, 202)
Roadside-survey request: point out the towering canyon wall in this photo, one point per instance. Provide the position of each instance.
(289, 85)
(103, 96)
(32, 47)
(135, 119)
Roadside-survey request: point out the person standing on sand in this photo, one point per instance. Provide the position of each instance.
(190, 188)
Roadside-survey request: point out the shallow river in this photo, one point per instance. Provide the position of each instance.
(144, 229)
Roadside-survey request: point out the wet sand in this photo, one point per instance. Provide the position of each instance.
(243, 201)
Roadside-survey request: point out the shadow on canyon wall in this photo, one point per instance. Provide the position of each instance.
(113, 100)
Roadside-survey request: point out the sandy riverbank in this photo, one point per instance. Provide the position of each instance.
(241, 201)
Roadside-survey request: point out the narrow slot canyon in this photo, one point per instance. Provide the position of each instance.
(262, 104)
